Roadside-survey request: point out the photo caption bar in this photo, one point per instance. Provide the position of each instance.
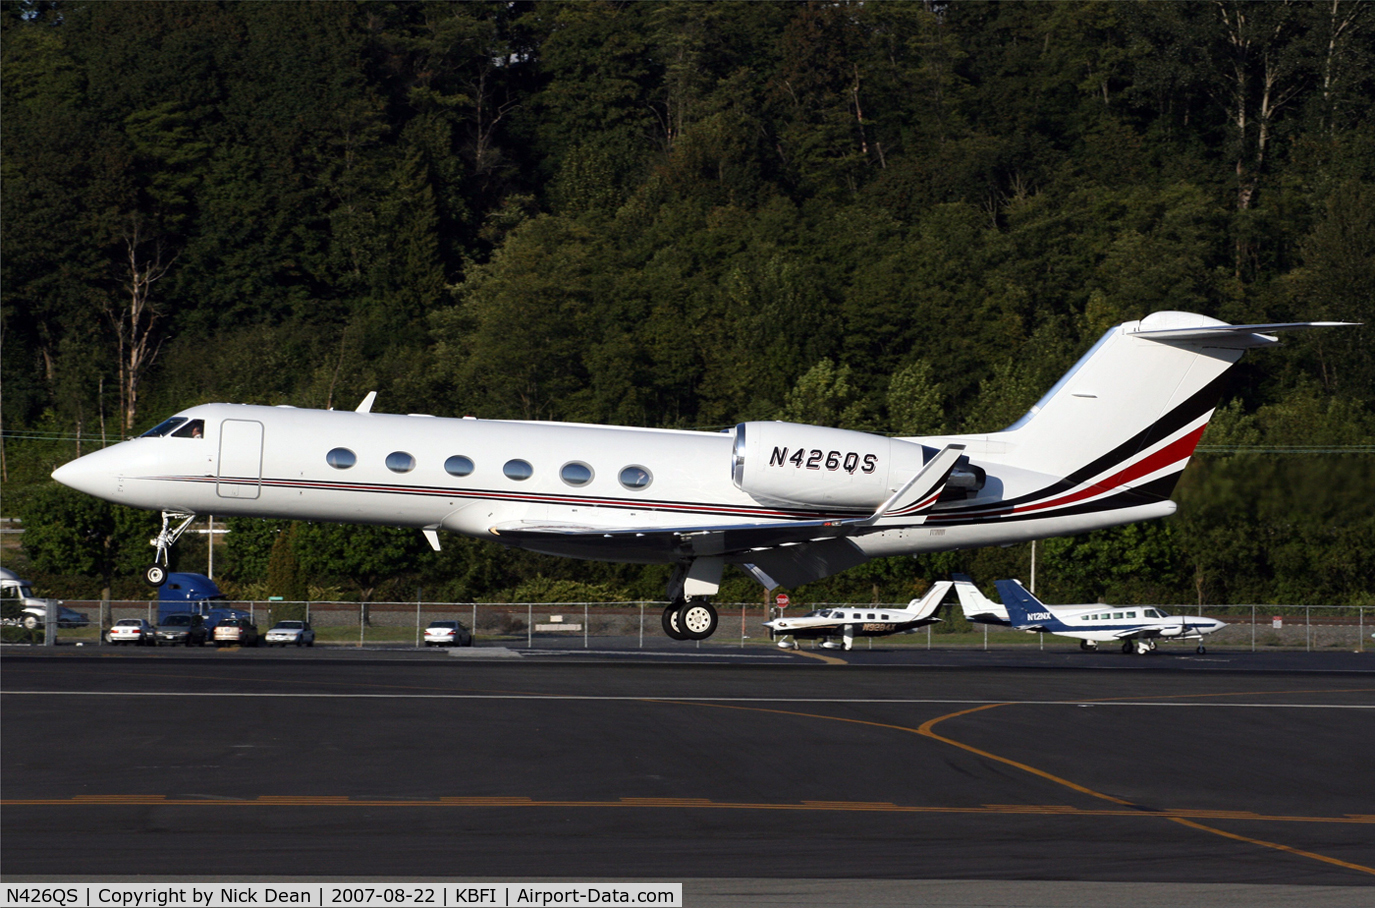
(329, 895)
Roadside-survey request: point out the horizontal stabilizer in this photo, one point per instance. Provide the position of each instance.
(1232, 336)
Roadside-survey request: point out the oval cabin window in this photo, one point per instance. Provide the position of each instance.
(636, 478)
(400, 462)
(576, 474)
(341, 458)
(518, 470)
(458, 465)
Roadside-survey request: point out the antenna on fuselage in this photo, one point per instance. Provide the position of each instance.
(366, 405)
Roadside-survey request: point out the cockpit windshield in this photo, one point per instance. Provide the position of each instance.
(162, 428)
(193, 429)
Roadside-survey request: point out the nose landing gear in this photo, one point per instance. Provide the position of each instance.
(156, 573)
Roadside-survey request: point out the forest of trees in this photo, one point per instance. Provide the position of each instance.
(897, 217)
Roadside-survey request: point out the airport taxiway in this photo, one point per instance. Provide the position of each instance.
(1054, 768)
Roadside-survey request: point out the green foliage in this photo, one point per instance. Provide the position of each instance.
(67, 532)
(284, 576)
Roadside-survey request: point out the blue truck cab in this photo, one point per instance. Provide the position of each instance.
(194, 594)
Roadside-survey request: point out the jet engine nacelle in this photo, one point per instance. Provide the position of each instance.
(792, 464)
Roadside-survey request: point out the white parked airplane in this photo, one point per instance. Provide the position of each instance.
(977, 607)
(788, 503)
(869, 621)
(1136, 627)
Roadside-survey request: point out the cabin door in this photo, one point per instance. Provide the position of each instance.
(241, 459)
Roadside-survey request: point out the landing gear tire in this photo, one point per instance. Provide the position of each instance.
(156, 575)
(697, 619)
(670, 621)
(1088, 646)
(1201, 649)
(1126, 646)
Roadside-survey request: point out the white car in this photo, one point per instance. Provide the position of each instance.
(299, 633)
(447, 633)
(132, 630)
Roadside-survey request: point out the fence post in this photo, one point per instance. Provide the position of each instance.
(529, 626)
(417, 620)
(474, 621)
(642, 625)
(360, 624)
(1253, 628)
(1308, 628)
(584, 625)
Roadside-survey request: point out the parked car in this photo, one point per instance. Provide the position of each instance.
(185, 628)
(132, 630)
(236, 632)
(297, 632)
(447, 633)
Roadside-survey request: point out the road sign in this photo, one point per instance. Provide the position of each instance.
(782, 600)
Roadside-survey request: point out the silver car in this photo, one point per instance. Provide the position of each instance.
(298, 632)
(132, 630)
(447, 633)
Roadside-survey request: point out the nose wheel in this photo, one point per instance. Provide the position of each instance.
(156, 573)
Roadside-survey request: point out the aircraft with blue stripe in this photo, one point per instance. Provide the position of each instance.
(1137, 627)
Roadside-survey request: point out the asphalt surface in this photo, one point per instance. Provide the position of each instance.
(764, 777)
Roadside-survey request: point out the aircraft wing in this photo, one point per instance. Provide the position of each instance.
(906, 506)
(684, 541)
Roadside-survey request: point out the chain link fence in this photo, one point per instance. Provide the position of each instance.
(569, 625)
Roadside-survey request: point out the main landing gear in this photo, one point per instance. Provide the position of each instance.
(689, 615)
(156, 574)
(690, 619)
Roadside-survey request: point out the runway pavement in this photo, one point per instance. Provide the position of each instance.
(1049, 776)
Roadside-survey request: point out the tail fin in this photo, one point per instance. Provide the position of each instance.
(1118, 429)
(977, 607)
(926, 606)
(1023, 609)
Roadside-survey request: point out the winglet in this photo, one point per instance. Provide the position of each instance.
(366, 405)
(922, 490)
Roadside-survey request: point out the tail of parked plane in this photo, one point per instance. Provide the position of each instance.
(1024, 610)
(1118, 429)
(926, 606)
(977, 607)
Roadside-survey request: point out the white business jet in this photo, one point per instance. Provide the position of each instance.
(1136, 627)
(870, 621)
(788, 503)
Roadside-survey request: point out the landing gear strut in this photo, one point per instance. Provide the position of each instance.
(156, 574)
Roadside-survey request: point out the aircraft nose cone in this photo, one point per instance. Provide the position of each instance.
(84, 476)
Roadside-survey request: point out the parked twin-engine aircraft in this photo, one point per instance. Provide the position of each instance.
(1134, 626)
(849, 622)
(788, 503)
